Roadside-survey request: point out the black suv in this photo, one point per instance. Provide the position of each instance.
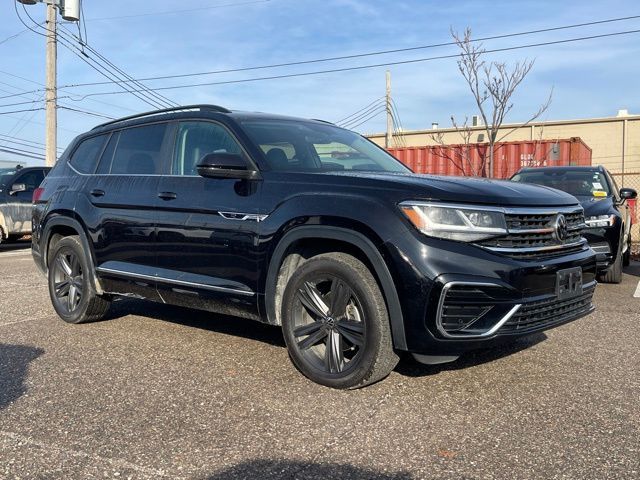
(17, 186)
(607, 212)
(303, 224)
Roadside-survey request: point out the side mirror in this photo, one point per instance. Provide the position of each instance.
(628, 193)
(225, 165)
(18, 187)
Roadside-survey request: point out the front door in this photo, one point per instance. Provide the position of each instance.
(207, 229)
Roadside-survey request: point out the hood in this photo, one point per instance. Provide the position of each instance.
(596, 206)
(467, 189)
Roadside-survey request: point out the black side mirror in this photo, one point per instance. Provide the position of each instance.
(225, 165)
(628, 193)
(18, 187)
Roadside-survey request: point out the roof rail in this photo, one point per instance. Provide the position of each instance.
(323, 121)
(204, 107)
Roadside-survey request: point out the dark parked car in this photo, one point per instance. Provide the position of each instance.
(16, 189)
(607, 212)
(303, 224)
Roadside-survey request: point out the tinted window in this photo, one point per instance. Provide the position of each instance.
(197, 139)
(299, 145)
(581, 183)
(85, 157)
(31, 179)
(135, 151)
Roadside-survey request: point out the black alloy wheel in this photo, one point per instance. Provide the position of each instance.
(68, 280)
(335, 322)
(329, 324)
(72, 295)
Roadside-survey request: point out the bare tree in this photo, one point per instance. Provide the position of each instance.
(460, 155)
(492, 85)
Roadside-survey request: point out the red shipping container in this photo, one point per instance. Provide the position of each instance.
(509, 157)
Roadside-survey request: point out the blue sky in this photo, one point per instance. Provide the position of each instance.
(590, 79)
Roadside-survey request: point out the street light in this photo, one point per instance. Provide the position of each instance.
(69, 10)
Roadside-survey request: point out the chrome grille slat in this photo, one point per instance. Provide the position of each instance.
(531, 234)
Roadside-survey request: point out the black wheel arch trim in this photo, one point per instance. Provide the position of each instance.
(57, 220)
(359, 241)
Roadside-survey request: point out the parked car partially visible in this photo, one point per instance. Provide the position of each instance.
(16, 191)
(606, 209)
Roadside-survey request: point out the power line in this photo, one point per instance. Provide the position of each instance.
(14, 36)
(368, 54)
(104, 71)
(25, 110)
(128, 77)
(371, 116)
(377, 100)
(364, 67)
(86, 112)
(22, 153)
(379, 104)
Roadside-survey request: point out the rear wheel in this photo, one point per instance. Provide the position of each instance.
(335, 323)
(72, 295)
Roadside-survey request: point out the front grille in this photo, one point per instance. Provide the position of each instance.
(533, 235)
(546, 313)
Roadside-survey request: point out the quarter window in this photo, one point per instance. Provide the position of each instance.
(85, 157)
(197, 139)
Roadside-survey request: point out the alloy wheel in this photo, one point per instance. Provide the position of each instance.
(68, 280)
(329, 327)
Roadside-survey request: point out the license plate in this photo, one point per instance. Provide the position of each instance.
(569, 283)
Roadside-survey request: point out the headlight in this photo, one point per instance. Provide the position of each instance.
(465, 224)
(596, 221)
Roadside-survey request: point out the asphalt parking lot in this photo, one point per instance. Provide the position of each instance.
(165, 392)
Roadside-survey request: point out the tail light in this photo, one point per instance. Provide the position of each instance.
(37, 193)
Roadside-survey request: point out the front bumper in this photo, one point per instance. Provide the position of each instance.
(521, 294)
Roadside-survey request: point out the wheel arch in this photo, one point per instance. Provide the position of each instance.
(65, 224)
(354, 240)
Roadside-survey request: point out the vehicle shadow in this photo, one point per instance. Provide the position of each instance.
(409, 367)
(272, 334)
(18, 245)
(200, 319)
(14, 366)
(289, 469)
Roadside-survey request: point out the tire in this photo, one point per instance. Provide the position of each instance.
(3, 237)
(332, 303)
(626, 257)
(613, 274)
(70, 289)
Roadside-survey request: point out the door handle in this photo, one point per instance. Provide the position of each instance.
(97, 193)
(167, 195)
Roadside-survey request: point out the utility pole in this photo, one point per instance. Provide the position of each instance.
(70, 11)
(388, 137)
(51, 101)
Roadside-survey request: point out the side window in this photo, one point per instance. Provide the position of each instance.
(195, 140)
(85, 157)
(614, 186)
(134, 151)
(31, 179)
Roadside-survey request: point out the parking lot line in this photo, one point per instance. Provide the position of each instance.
(637, 292)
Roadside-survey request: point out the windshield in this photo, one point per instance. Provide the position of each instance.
(307, 146)
(5, 175)
(581, 183)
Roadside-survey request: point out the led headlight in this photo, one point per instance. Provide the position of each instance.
(453, 222)
(597, 221)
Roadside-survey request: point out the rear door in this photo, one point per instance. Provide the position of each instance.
(122, 195)
(207, 227)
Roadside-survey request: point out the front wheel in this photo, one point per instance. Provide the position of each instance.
(626, 259)
(72, 295)
(613, 274)
(336, 324)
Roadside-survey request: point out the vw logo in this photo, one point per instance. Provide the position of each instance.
(561, 228)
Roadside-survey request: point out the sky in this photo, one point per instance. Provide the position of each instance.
(590, 78)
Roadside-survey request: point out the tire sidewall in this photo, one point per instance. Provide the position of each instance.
(370, 309)
(71, 244)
